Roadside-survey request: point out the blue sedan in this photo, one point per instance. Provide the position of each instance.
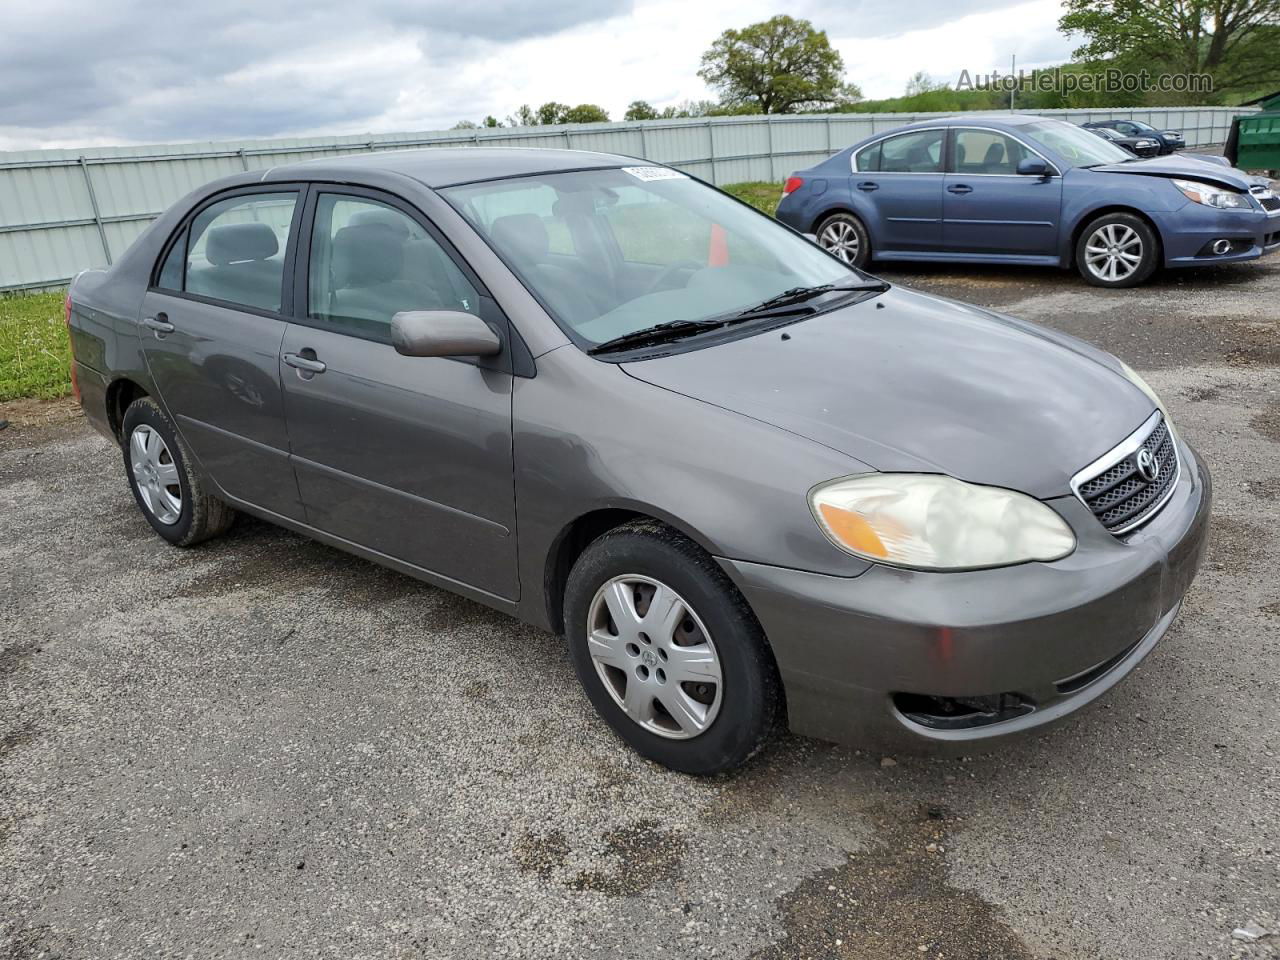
(1029, 190)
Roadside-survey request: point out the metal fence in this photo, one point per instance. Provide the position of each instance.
(64, 210)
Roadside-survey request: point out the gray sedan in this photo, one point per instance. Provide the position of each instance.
(750, 484)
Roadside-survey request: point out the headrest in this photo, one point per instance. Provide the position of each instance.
(995, 153)
(365, 255)
(238, 242)
(522, 234)
(387, 219)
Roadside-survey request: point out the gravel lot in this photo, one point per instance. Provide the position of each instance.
(263, 747)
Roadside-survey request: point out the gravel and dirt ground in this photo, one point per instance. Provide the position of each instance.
(263, 747)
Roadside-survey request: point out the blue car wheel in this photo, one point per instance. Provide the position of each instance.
(844, 235)
(1117, 250)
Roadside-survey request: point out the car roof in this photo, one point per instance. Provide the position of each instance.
(446, 166)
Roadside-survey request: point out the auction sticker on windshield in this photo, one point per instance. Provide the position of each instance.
(655, 173)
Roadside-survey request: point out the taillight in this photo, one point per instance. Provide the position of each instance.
(792, 185)
(66, 316)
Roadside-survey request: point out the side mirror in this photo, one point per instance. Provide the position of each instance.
(1033, 167)
(442, 333)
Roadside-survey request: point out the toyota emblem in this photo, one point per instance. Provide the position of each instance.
(1148, 466)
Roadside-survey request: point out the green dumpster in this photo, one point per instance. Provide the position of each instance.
(1258, 147)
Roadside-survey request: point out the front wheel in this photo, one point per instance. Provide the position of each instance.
(844, 235)
(1117, 250)
(668, 651)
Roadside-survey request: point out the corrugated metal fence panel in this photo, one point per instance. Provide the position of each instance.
(64, 210)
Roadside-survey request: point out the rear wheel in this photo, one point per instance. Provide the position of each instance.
(168, 491)
(668, 651)
(844, 235)
(1117, 250)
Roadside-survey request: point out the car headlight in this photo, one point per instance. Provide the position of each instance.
(1137, 381)
(935, 522)
(1212, 196)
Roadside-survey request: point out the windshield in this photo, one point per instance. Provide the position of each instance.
(613, 252)
(1074, 144)
(1143, 126)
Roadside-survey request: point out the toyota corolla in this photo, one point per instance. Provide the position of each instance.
(749, 483)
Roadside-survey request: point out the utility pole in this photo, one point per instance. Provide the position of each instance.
(1013, 74)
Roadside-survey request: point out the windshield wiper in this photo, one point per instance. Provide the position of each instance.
(797, 295)
(658, 333)
(787, 302)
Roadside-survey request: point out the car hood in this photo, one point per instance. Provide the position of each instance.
(1178, 166)
(912, 382)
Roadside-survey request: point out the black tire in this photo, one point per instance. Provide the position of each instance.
(749, 700)
(201, 515)
(1120, 223)
(841, 223)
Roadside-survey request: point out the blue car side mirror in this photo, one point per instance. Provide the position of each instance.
(1033, 167)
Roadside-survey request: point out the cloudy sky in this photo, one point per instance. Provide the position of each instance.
(83, 72)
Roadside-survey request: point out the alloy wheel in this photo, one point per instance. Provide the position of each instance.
(155, 474)
(1113, 252)
(654, 656)
(841, 238)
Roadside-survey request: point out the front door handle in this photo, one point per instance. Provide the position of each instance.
(868, 185)
(960, 188)
(159, 324)
(305, 364)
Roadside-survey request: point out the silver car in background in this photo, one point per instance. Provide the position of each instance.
(749, 483)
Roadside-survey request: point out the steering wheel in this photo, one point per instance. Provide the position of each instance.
(669, 272)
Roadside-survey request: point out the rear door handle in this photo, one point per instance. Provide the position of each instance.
(159, 324)
(960, 188)
(868, 185)
(305, 363)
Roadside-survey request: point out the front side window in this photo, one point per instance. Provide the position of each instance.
(919, 152)
(235, 251)
(370, 261)
(987, 152)
(650, 245)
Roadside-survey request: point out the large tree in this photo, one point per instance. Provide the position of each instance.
(1235, 41)
(640, 110)
(779, 66)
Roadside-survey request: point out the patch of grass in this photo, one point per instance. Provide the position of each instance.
(761, 195)
(35, 358)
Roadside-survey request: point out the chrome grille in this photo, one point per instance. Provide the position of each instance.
(1117, 492)
(1265, 197)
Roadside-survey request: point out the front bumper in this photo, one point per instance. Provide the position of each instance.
(1188, 233)
(855, 654)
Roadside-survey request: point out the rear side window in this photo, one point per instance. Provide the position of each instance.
(369, 261)
(868, 159)
(172, 273)
(912, 152)
(235, 251)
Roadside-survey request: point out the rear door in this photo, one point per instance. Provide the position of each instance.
(407, 456)
(902, 182)
(211, 326)
(988, 207)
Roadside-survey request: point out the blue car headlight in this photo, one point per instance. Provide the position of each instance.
(1212, 196)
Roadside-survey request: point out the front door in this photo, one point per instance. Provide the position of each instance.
(211, 326)
(407, 456)
(988, 208)
(901, 179)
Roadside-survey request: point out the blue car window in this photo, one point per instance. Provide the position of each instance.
(868, 158)
(987, 152)
(918, 152)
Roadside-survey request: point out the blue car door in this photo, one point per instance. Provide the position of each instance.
(988, 207)
(900, 180)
